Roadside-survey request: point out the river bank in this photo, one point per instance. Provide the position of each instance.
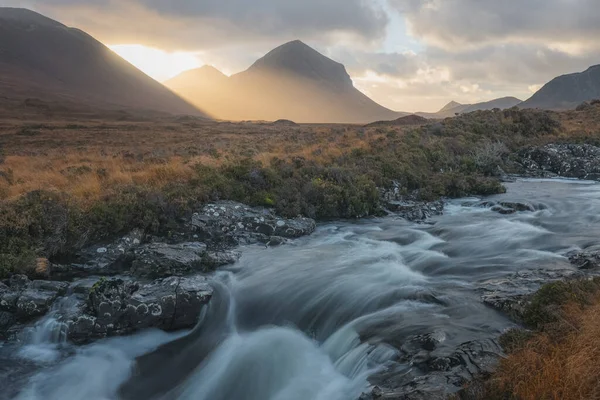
(405, 304)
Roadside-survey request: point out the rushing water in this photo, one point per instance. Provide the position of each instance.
(314, 319)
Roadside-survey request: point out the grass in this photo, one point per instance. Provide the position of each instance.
(65, 183)
(559, 357)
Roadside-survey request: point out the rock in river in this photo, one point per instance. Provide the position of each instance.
(119, 306)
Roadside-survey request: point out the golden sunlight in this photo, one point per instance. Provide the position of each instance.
(158, 64)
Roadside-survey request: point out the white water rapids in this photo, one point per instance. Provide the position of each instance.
(314, 319)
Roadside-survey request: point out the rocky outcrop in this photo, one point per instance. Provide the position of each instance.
(229, 223)
(139, 282)
(206, 242)
(408, 206)
(581, 161)
(121, 306)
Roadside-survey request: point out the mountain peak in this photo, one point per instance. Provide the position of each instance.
(298, 59)
(450, 106)
(24, 15)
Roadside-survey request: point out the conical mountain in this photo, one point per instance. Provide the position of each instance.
(42, 58)
(293, 82)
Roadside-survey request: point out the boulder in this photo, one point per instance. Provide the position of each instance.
(228, 223)
(119, 306)
(581, 161)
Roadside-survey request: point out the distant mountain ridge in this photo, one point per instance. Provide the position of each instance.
(292, 81)
(453, 108)
(42, 58)
(567, 91)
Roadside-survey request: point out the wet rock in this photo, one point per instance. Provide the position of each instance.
(118, 307)
(436, 377)
(229, 223)
(512, 294)
(156, 260)
(505, 207)
(107, 260)
(581, 161)
(585, 260)
(215, 259)
(408, 206)
(27, 299)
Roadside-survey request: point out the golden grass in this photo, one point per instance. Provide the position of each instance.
(557, 367)
(91, 159)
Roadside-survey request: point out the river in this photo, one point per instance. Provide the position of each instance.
(316, 318)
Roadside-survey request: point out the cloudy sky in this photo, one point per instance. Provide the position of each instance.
(409, 55)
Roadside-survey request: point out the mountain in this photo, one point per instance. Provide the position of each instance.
(453, 108)
(567, 91)
(293, 82)
(43, 59)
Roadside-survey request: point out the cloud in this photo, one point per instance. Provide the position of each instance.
(456, 23)
(194, 24)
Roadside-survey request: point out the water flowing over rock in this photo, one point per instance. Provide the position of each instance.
(581, 161)
(23, 300)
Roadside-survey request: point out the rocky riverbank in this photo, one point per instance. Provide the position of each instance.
(435, 377)
(139, 282)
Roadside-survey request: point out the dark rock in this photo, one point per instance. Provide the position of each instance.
(585, 260)
(118, 307)
(110, 259)
(512, 294)
(581, 161)
(408, 206)
(27, 299)
(157, 260)
(506, 207)
(215, 259)
(436, 377)
(230, 223)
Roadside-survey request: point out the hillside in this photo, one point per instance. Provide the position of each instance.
(292, 82)
(567, 91)
(43, 59)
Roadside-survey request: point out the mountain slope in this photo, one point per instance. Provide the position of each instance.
(567, 91)
(41, 58)
(293, 82)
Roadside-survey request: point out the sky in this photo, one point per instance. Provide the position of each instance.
(408, 55)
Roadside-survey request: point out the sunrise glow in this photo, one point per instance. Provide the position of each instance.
(158, 64)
